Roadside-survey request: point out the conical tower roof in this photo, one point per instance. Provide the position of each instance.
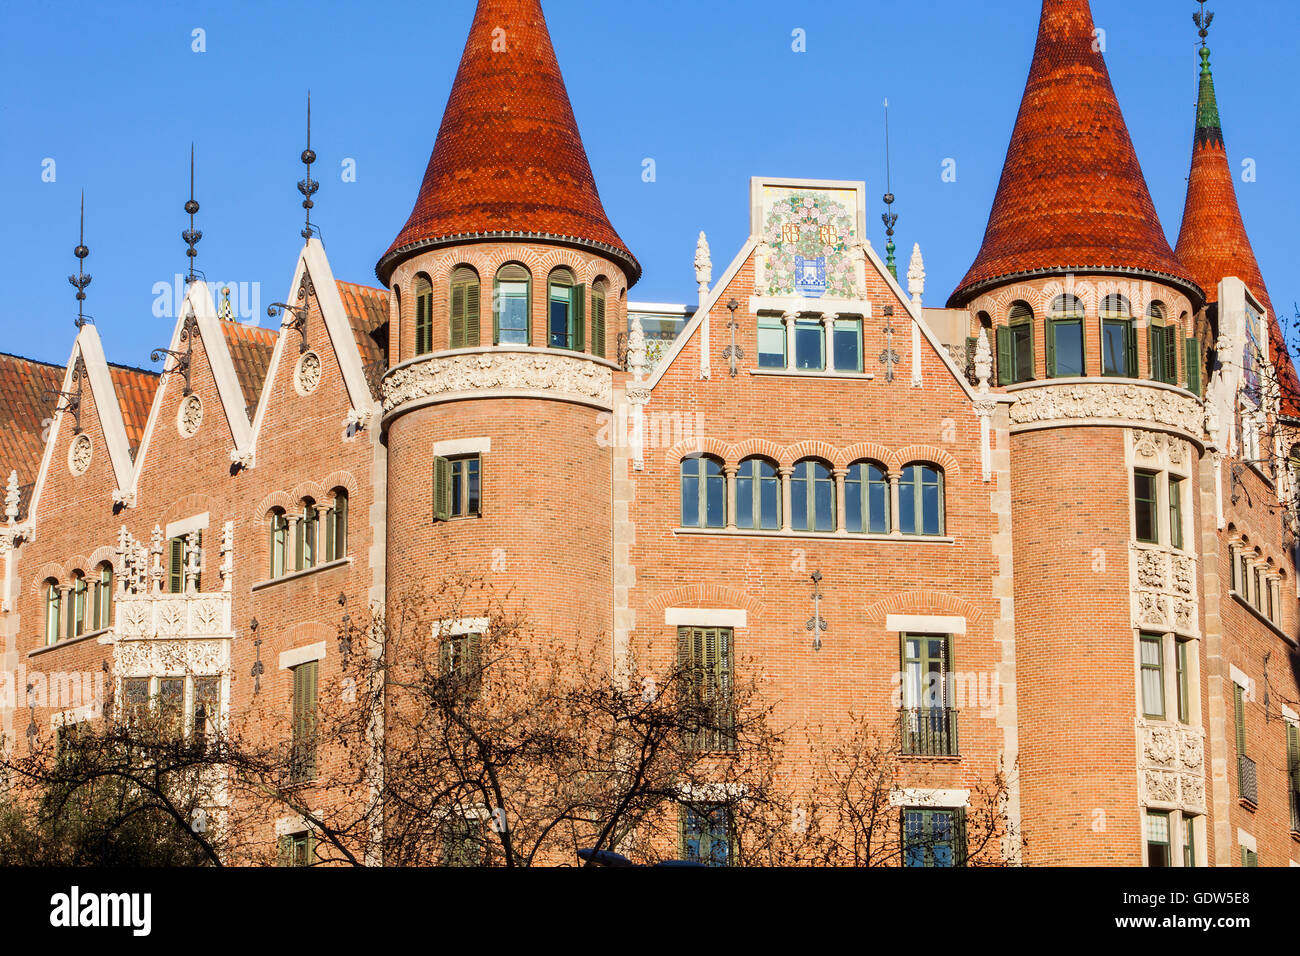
(1212, 242)
(1072, 196)
(509, 161)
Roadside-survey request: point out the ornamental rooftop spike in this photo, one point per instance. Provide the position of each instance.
(1072, 198)
(308, 186)
(508, 161)
(191, 235)
(81, 279)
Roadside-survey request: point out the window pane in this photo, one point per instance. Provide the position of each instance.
(1144, 504)
(771, 497)
(1153, 683)
(799, 496)
(853, 493)
(907, 502)
(745, 495)
(771, 344)
(512, 320)
(472, 486)
(717, 494)
(931, 502)
(808, 344)
(1069, 348)
(1114, 347)
(559, 318)
(878, 501)
(691, 493)
(1022, 347)
(1176, 513)
(848, 345)
(825, 500)
(1157, 834)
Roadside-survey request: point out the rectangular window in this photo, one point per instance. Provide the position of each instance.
(1163, 342)
(1249, 858)
(1239, 717)
(460, 660)
(561, 318)
(1145, 507)
(1243, 567)
(1183, 664)
(1193, 363)
(135, 699)
(934, 838)
(1176, 512)
(1153, 676)
(303, 760)
(296, 849)
(512, 313)
(171, 705)
(1118, 348)
(771, 342)
(1065, 348)
(1253, 359)
(704, 658)
(462, 841)
(929, 722)
(457, 487)
(1232, 568)
(1157, 833)
(176, 565)
(848, 345)
(207, 708)
(1189, 841)
(1293, 772)
(809, 344)
(1022, 351)
(1256, 589)
(706, 835)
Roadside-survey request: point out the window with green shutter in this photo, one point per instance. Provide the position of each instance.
(464, 319)
(463, 842)
(933, 838)
(296, 849)
(1239, 717)
(1194, 362)
(704, 657)
(512, 305)
(1015, 342)
(303, 758)
(457, 487)
(460, 661)
(423, 315)
(1065, 338)
(706, 835)
(598, 319)
(1293, 772)
(1249, 858)
(176, 563)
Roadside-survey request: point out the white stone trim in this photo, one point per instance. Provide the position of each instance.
(1239, 678)
(287, 826)
(76, 715)
(925, 797)
(1289, 715)
(458, 626)
(462, 446)
(186, 525)
(925, 624)
(1246, 841)
(714, 792)
(706, 617)
(301, 655)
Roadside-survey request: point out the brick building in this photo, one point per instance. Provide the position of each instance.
(1071, 493)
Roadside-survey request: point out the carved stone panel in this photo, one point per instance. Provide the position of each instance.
(562, 376)
(1129, 402)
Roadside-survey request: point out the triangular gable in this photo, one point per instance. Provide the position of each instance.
(313, 261)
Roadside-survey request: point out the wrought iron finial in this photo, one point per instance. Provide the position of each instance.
(890, 218)
(191, 235)
(1203, 18)
(81, 279)
(308, 186)
(71, 400)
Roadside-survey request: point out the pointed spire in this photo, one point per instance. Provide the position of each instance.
(890, 218)
(1072, 196)
(191, 235)
(308, 186)
(81, 279)
(509, 160)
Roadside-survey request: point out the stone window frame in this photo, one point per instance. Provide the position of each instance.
(1163, 473)
(188, 698)
(1170, 642)
(1059, 312)
(1186, 831)
(829, 320)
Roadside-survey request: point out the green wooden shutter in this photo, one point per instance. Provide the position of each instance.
(304, 719)
(458, 316)
(441, 489)
(472, 317)
(959, 836)
(1193, 349)
(579, 299)
(1050, 330)
(1131, 341)
(1005, 372)
(1239, 717)
(284, 851)
(598, 324)
(176, 566)
(1154, 353)
(1293, 757)
(198, 576)
(1171, 356)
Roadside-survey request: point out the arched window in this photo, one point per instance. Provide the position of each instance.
(511, 305)
(1163, 344)
(308, 535)
(336, 528)
(423, 315)
(598, 291)
(866, 498)
(76, 620)
(464, 320)
(758, 495)
(103, 605)
(1118, 338)
(704, 493)
(920, 500)
(279, 542)
(1065, 348)
(812, 496)
(53, 608)
(1016, 345)
(564, 312)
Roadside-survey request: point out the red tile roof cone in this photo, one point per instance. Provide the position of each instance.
(1072, 196)
(508, 161)
(1213, 242)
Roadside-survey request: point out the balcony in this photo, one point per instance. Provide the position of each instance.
(1247, 780)
(929, 731)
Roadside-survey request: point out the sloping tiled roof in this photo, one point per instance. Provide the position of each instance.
(1072, 196)
(367, 310)
(1213, 242)
(135, 392)
(24, 410)
(509, 159)
(250, 350)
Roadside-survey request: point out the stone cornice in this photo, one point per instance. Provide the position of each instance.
(1124, 403)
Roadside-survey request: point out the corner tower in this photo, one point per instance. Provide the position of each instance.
(509, 288)
(1093, 321)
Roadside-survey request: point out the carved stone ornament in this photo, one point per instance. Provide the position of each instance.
(191, 415)
(79, 454)
(307, 376)
(1127, 402)
(1152, 608)
(559, 375)
(1161, 787)
(1162, 746)
(150, 658)
(1151, 569)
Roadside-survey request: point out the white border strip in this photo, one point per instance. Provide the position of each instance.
(301, 655)
(462, 446)
(922, 797)
(925, 624)
(706, 617)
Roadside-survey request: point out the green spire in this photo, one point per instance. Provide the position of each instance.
(1207, 106)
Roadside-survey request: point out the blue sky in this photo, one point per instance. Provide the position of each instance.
(713, 92)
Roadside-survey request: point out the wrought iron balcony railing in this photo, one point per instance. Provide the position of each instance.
(1247, 780)
(929, 731)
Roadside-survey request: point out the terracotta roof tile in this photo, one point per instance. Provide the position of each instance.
(135, 393)
(250, 350)
(367, 311)
(508, 157)
(1072, 195)
(24, 410)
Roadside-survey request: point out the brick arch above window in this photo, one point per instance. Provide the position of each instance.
(924, 602)
(756, 448)
(276, 499)
(917, 454)
(863, 450)
(50, 572)
(188, 507)
(809, 449)
(703, 596)
(694, 447)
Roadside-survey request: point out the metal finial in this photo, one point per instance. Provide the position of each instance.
(1203, 18)
(81, 279)
(191, 235)
(308, 186)
(889, 218)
